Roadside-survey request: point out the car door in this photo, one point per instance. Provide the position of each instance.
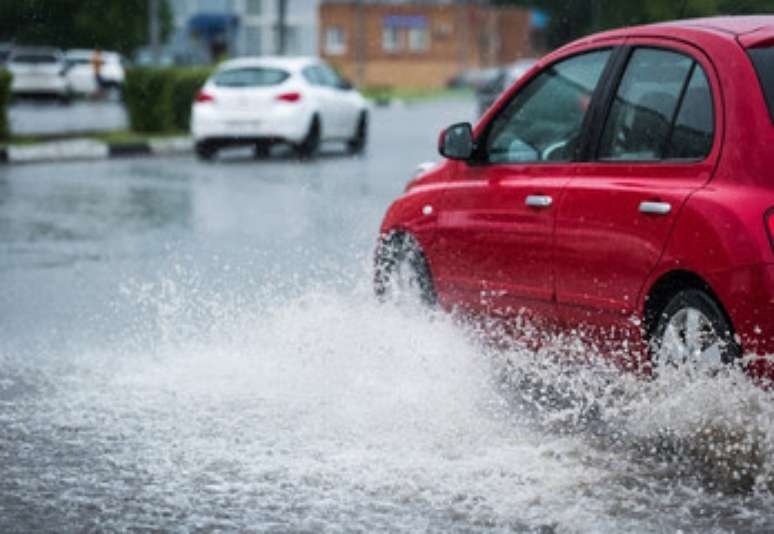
(655, 146)
(495, 228)
(320, 87)
(343, 102)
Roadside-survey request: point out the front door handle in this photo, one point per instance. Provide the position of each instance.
(655, 208)
(538, 201)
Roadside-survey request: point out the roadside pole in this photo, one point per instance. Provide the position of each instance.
(282, 7)
(360, 48)
(154, 30)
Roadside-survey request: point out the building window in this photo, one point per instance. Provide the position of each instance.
(335, 41)
(417, 39)
(254, 7)
(390, 39)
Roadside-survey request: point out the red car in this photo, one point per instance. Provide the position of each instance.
(623, 189)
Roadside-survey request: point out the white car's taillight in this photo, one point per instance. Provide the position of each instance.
(201, 96)
(289, 97)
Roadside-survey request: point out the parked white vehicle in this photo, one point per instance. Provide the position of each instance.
(80, 72)
(268, 100)
(39, 71)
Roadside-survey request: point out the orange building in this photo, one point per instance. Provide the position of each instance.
(420, 45)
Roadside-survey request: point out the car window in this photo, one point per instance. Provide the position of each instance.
(38, 59)
(312, 75)
(694, 126)
(763, 60)
(330, 77)
(250, 77)
(662, 110)
(543, 121)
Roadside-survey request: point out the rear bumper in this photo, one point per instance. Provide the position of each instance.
(748, 296)
(288, 123)
(39, 85)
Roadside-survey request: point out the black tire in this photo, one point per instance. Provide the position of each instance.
(205, 150)
(308, 148)
(716, 344)
(357, 144)
(398, 255)
(261, 150)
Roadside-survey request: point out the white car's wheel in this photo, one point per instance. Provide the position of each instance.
(309, 147)
(357, 144)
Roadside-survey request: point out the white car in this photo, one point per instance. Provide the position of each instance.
(268, 100)
(39, 71)
(80, 72)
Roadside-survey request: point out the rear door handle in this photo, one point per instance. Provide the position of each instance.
(655, 208)
(538, 201)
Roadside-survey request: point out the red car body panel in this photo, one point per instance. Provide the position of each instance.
(591, 262)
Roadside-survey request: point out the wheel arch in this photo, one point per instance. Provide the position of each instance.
(666, 286)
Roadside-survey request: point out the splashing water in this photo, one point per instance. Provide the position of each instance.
(319, 409)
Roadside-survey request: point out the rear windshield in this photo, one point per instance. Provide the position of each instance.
(33, 58)
(250, 77)
(763, 60)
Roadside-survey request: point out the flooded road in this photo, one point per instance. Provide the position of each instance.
(195, 347)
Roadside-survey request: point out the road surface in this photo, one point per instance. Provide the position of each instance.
(188, 346)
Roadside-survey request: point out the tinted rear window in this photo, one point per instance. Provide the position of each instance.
(33, 58)
(763, 60)
(250, 77)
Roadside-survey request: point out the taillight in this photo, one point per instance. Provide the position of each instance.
(769, 220)
(201, 96)
(289, 97)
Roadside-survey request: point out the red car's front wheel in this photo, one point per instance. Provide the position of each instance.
(402, 273)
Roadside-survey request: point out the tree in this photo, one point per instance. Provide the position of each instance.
(120, 25)
(571, 19)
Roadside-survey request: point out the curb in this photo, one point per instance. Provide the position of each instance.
(80, 149)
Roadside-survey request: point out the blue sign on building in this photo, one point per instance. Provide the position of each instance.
(405, 21)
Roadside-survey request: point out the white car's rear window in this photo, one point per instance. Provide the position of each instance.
(33, 58)
(250, 77)
(763, 60)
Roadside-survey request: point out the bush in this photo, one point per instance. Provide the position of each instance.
(147, 95)
(5, 99)
(186, 84)
(159, 99)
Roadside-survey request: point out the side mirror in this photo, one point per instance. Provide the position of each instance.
(456, 141)
(345, 85)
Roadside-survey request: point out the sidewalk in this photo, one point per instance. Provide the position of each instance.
(91, 148)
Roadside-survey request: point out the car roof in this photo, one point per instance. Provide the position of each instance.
(731, 26)
(292, 63)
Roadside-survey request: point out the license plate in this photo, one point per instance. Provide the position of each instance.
(243, 126)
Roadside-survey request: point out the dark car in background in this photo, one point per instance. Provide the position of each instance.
(506, 77)
(5, 52)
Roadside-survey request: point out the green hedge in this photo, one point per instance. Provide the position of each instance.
(187, 83)
(5, 99)
(159, 99)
